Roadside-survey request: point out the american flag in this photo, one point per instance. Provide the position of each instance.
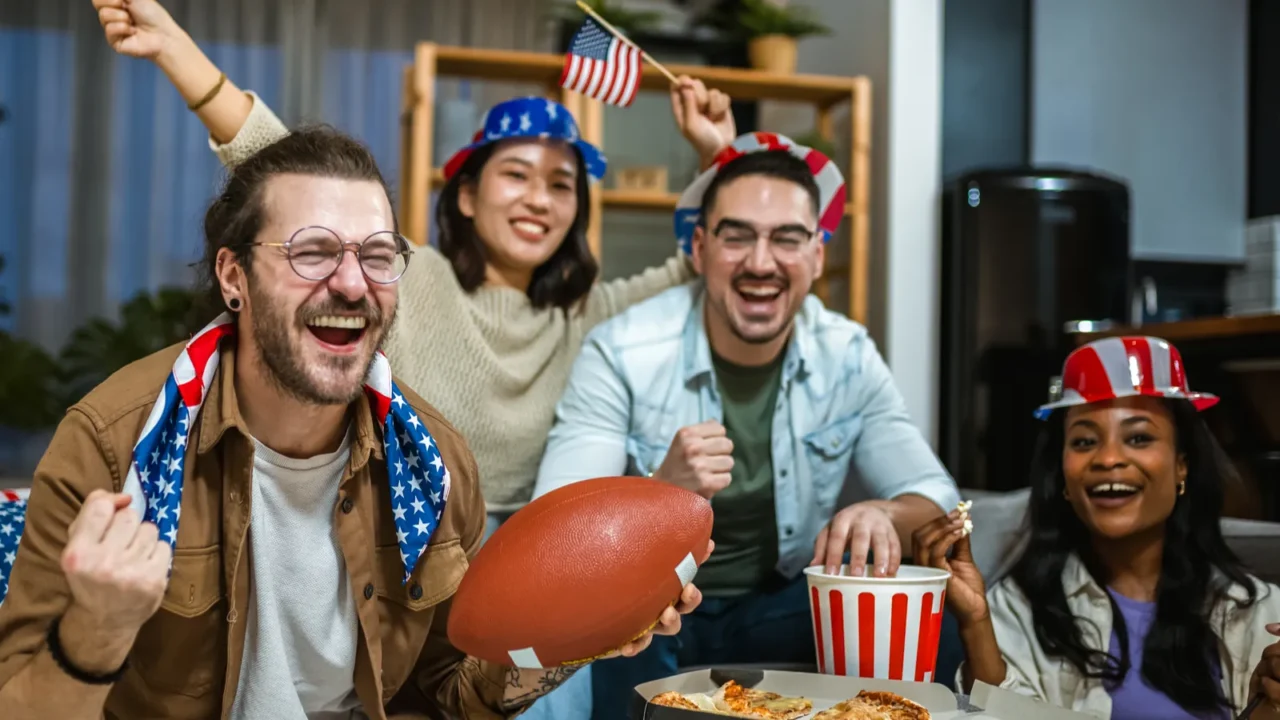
(602, 66)
(13, 511)
(419, 480)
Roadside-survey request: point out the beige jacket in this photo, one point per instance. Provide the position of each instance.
(1242, 632)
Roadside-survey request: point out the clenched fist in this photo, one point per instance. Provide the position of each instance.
(138, 28)
(703, 116)
(116, 565)
(700, 459)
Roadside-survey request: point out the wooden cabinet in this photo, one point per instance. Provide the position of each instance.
(420, 174)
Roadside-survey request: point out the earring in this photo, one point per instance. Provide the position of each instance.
(234, 304)
(1182, 487)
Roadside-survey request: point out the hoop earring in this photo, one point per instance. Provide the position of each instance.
(234, 304)
(1182, 487)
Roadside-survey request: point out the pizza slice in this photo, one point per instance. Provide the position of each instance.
(735, 700)
(853, 709)
(873, 705)
(750, 702)
(701, 702)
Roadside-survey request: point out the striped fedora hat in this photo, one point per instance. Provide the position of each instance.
(1124, 367)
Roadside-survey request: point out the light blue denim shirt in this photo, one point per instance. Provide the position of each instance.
(647, 372)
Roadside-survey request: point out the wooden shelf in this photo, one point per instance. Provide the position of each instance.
(1197, 329)
(419, 174)
(543, 69)
(624, 199)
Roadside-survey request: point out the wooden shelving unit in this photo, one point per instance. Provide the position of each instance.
(419, 173)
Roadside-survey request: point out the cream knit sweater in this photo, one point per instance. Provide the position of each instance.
(493, 364)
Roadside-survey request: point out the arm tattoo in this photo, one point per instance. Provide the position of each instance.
(525, 686)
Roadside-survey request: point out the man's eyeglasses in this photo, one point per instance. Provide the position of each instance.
(785, 243)
(316, 252)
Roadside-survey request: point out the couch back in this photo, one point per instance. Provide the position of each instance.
(998, 536)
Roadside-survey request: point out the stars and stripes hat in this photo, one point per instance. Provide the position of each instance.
(419, 480)
(529, 117)
(831, 192)
(1124, 367)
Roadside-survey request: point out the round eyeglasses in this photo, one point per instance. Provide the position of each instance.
(315, 253)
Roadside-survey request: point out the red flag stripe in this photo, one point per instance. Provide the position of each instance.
(935, 632)
(817, 629)
(897, 635)
(1141, 349)
(866, 635)
(837, 631)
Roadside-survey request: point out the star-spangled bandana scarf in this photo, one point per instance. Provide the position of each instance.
(419, 480)
(13, 512)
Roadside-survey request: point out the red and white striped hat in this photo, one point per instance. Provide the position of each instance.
(1124, 367)
(830, 182)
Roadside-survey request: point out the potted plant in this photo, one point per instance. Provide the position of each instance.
(771, 29)
(622, 19)
(148, 323)
(29, 405)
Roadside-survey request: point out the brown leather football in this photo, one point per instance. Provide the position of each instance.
(579, 572)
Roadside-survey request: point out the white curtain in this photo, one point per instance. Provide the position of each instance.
(105, 175)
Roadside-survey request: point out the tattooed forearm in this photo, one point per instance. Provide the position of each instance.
(525, 686)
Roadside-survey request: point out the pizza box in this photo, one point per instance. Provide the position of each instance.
(823, 690)
(998, 704)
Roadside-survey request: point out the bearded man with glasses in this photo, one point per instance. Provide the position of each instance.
(741, 387)
(262, 522)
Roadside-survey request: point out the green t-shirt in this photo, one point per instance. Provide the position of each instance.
(746, 527)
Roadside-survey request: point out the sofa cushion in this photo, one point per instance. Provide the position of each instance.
(999, 535)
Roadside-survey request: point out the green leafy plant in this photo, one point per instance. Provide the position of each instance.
(148, 323)
(624, 20)
(757, 18)
(28, 381)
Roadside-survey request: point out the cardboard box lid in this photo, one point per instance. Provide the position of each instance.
(997, 704)
(823, 690)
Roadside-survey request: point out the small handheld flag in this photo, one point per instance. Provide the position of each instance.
(602, 66)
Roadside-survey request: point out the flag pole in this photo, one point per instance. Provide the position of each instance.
(587, 9)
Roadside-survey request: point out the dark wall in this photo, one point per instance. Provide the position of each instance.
(985, 84)
(1264, 108)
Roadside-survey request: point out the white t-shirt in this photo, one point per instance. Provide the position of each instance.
(300, 643)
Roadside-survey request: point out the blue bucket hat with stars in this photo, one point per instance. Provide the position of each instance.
(529, 117)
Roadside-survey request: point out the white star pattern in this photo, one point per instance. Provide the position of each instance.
(551, 110)
(414, 480)
(160, 454)
(12, 519)
(505, 124)
(525, 122)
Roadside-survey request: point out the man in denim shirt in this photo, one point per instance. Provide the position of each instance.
(743, 388)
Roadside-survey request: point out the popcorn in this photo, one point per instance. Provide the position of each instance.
(963, 508)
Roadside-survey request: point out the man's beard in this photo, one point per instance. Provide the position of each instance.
(284, 362)
(722, 308)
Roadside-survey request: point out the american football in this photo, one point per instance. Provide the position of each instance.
(579, 572)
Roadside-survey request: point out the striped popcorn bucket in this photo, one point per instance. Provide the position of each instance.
(884, 628)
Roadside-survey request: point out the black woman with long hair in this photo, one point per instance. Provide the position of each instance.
(1126, 602)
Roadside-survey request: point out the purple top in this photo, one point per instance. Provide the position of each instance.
(1134, 699)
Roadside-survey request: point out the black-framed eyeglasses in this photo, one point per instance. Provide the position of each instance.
(785, 242)
(315, 252)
